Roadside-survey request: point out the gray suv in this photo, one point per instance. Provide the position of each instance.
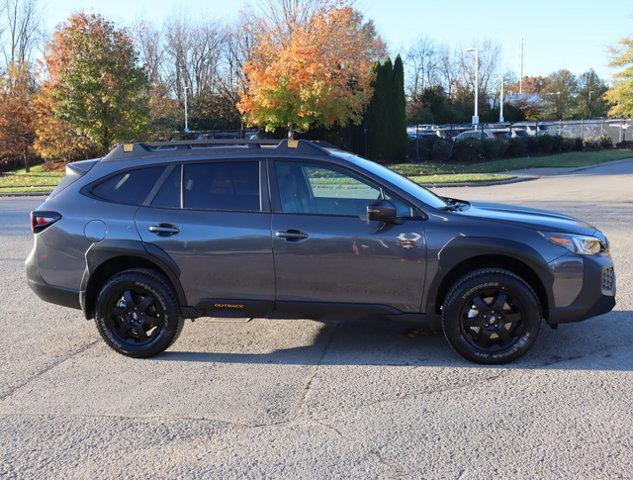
(154, 233)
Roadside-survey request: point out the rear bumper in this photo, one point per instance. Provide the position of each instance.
(66, 297)
(596, 297)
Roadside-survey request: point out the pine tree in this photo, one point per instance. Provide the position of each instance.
(399, 114)
(378, 118)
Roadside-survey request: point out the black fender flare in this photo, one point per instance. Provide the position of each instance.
(101, 252)
(464, 248)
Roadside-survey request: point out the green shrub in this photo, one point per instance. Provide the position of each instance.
(544, 144)
(593, 144)
(557, 144)
(491, 149)
(517, 147)
(468, 150)
(606, 141)
(568, 144)
(441, 150)
(578, 143)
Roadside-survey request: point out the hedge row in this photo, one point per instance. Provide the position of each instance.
(439, 150)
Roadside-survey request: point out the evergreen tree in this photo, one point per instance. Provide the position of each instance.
(376, 113)
(386, 114)
(399, 114)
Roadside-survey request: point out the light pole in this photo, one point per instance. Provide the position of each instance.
(186, 113)
(476, 115)
(501, 119)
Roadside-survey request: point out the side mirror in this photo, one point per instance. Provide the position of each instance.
(382, 211)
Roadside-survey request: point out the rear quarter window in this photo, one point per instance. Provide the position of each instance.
(130, 187)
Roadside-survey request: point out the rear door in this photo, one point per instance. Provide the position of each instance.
(326, 250)
(213, 219)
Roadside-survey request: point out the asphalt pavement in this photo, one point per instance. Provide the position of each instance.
(289, 399)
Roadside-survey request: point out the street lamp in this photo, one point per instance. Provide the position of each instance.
(186, 113)
(476, 115)
(501, 119)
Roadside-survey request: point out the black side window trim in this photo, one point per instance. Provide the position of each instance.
(158, 185)
(276, 200)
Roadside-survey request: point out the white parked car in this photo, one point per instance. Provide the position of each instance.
(476, 134)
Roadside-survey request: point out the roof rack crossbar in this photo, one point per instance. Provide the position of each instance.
(132, 150)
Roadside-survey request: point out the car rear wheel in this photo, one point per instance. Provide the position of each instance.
(137, 313)
(491, 316)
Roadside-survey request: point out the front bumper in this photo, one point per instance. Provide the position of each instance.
(595, 278)
(66, 297)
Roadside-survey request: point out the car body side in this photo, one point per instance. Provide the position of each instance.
(96, 238)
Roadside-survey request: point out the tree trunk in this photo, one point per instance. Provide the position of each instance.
(291, 132)
(27, 167)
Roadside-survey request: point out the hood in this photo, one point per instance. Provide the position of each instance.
(529, 217)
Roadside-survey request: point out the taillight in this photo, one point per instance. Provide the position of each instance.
(41, 220)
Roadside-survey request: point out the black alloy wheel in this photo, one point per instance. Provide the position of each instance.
(491, 316)
(137, 313)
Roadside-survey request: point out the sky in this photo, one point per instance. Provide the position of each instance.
(571, 34)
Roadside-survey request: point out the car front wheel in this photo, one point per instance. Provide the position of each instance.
(137, 313)
(491, 316)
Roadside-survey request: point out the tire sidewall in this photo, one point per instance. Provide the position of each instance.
(170, 321)
(464, 291)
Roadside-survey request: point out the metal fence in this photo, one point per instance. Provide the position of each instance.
(616, 129)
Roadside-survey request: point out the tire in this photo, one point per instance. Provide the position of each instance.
(491, 316)
(137, 313)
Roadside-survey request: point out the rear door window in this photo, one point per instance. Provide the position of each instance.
(229, 186)
(130, 187)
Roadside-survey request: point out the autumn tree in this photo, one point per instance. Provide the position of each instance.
(590, 102)
(310, 66)
(559, 94)
(95, 88)
(16, 114)
(620, 96)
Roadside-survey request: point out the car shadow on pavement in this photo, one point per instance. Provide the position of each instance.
(601, 343)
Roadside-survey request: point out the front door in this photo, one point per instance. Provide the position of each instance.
(326, 250)
(211, 219)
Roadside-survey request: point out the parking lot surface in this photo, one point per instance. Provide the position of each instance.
(303, 399)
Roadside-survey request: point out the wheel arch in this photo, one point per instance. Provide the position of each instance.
(106, 259)
(467, 256)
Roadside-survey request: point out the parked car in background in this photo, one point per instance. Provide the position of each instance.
(475, 134)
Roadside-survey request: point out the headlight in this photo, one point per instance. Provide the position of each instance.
(580, 244)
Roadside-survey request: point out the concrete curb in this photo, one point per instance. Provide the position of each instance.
(25, 194)
(517, 179)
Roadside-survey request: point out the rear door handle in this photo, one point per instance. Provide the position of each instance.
(164, 229)
(291, 235)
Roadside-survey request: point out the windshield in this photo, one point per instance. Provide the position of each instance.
(404, 183)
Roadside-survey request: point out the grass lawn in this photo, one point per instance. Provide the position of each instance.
(571, 159)
(37, 180)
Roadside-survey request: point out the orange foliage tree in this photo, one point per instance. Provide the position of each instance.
(314, 69)
(16, 115)
(95, 94)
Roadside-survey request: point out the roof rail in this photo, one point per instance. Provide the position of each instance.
(128, 151)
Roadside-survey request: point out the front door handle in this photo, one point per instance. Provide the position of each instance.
(164, 229)
(291, 235)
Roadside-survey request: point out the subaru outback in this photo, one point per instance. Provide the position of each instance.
(155, 233)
